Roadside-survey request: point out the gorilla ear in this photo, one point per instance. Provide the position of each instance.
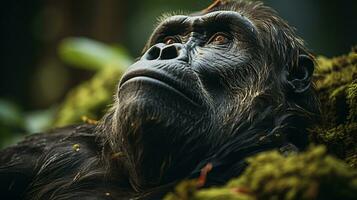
(299, 79)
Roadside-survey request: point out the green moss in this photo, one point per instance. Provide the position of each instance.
(188, 190)
(270, 175)
(340, 140)
(336, 86)
(328, 65)
(352, 101)
(89, 99)
(336, 78)
(309, 175)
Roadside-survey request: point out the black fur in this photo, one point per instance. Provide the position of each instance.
(254, 97)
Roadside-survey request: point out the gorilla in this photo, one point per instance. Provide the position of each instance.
(212, 87)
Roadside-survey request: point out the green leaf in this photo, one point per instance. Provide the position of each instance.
(93, 55)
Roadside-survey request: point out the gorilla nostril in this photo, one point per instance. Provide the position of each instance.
(169, 52)
(153, 53)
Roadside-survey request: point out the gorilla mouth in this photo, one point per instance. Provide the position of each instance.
(161, 80)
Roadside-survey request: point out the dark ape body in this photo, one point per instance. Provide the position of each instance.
(212, 87)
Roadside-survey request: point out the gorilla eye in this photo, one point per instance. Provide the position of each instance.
(171, 40)
(219, 38)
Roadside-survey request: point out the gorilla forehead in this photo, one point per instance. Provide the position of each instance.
(191, 20)
(200, 22)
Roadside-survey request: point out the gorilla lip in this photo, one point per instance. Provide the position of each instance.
(162, 80)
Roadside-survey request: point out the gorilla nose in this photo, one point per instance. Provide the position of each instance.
(169, 52)
(166, 52)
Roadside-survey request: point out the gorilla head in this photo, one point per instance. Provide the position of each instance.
(211, 87)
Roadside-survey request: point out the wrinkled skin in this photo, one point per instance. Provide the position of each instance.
(213, 87)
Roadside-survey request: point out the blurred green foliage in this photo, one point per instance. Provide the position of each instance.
(93, 55)
(11, 120)
(10, 114)
(14, 122)
(90, 98)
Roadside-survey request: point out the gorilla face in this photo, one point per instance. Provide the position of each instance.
(185, 86)
(195, 68)
(217, 82)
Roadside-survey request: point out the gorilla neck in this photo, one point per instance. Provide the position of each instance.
(157, 150)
